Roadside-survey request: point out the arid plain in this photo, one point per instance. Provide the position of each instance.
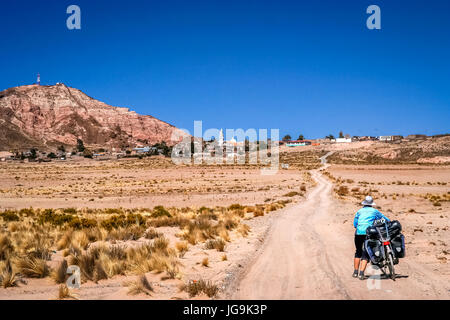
(148, 229)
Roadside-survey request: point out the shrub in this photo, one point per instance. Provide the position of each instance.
(49, 216)
(27, 212)
(70, 210)
(141, 285)
(32, 267)
(160, 211)
(291, 194)
(83, 223)
(6, 247)
(217, 244)
(86, 263)
(113, 210)
(243, 229)
(194, 288)
(152, 233)
(127, 233)
(60, 274)
(8, 278)
(9, 215)
(258, 212)
(182, 248)
(235, 206)
(64, 293)
(342, 191)
(123, 221)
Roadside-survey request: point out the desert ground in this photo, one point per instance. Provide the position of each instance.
(147, 229)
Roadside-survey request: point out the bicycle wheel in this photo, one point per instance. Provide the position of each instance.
(391, 266)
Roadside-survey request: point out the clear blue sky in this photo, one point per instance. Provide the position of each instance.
(308, 67)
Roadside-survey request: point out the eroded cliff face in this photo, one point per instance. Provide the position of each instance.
(49, 115)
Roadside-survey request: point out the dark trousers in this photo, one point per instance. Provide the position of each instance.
(360, 252)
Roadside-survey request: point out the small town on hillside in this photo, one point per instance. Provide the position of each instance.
(64, 153)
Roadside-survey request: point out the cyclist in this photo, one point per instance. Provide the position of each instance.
(364, 218)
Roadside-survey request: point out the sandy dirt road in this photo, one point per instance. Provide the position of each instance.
(305, 256)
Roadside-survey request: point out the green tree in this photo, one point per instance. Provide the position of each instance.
(87, 153)
(61, 148)
(341, 134)
(80, 145)
(301, 137)
(330, 136)
(33, 153)
(287, 138)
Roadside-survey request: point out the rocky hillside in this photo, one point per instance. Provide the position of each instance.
(46, 116)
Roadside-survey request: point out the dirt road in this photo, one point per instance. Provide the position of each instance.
(306, 256)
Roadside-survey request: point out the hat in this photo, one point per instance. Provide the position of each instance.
(368, 201)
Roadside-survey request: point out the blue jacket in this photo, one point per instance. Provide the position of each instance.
(365, 217)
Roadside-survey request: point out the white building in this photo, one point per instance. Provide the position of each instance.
(343, 140)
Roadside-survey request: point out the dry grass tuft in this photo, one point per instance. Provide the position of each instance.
(65, 293)
(194, 288)
(141, 285)
(182, 248)
(8, 278)
(217, 244)
(60, 274)
(6, 247)
(32, 267)
(243, 229)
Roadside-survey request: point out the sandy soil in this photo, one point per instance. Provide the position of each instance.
(139, 183)
(308, 255)
(303, 251)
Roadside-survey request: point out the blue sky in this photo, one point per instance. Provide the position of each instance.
(309, 67)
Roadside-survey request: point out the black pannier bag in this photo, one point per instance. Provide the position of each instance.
(398, 245)
(372, 233)
(374, 250)
(394, 228)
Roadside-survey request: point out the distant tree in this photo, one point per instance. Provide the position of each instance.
(287, 138)
(80, 145)
(166, 150)
(51, 155)
(33, 153)
(330, 136)
(61, 148)
(301, 137)
(247, 145)
(341, 134)
(87, 153)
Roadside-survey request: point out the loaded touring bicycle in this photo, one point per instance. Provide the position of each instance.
(385, 245)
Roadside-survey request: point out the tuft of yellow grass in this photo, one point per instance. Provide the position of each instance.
(195, 287)
(60, 274)
(8, 278)
(141, 285)
(65, 293)
(32, 267)
(182, 247)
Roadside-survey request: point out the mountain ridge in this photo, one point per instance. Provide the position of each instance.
(47, 116)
